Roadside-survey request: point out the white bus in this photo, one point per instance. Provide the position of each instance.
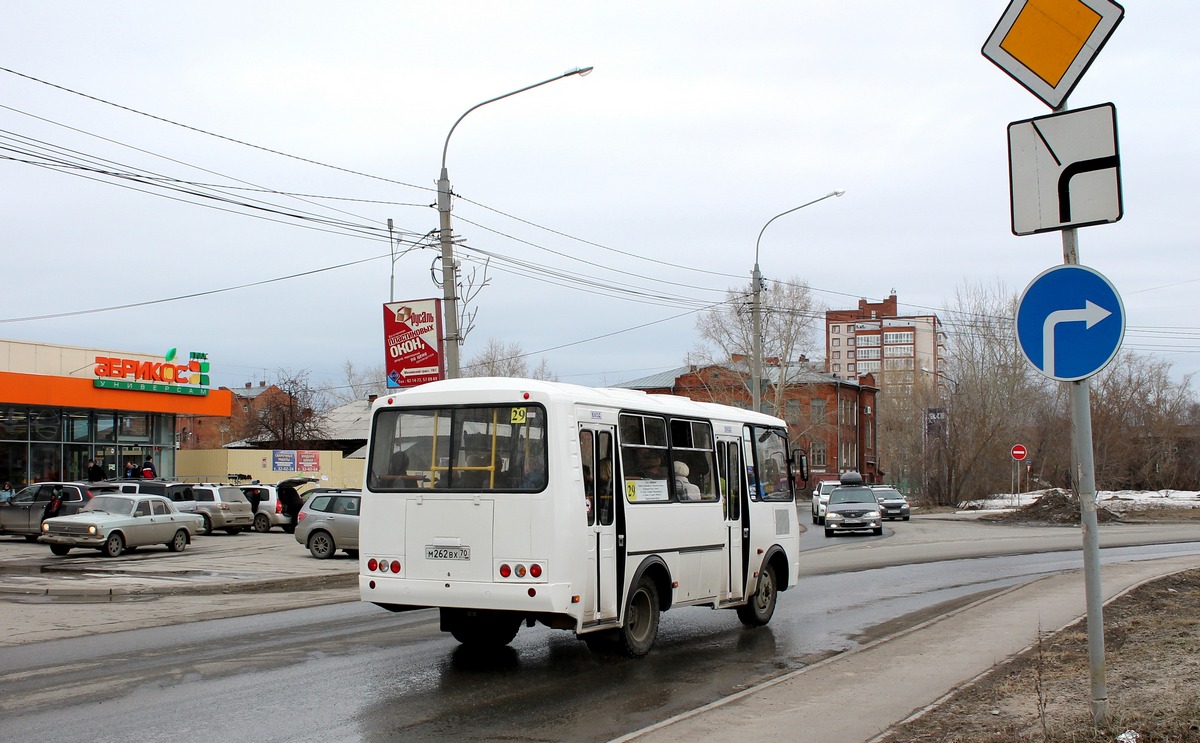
(502, 501)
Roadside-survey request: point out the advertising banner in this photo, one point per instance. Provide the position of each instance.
(283, 460)
(412, 333)
(308, 461)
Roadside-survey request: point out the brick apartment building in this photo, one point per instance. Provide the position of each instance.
(876, 339)
(832, 419)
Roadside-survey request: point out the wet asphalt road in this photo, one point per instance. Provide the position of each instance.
(355, 672)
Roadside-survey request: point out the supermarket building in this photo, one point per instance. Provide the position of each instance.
(61, 406)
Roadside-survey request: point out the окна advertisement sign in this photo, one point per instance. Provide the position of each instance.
(412, 333)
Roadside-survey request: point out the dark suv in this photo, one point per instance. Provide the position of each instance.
(178, 492)
(24, 513)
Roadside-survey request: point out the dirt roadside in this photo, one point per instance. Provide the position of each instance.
(1152, 656)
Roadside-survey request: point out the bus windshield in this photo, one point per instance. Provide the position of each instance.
(773, 475)
(499, 447)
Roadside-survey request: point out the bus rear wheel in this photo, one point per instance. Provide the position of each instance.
(481, 629)
(761, 606)
(640, 628)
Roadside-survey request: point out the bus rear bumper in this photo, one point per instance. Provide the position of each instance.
(533, 598)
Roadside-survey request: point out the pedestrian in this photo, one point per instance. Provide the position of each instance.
(7, 491)
(290, 503)
(95, 473)
(130, 471)
(148, 471)
(254, 496)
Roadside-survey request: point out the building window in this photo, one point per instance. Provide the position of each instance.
(837, 367)
(835, 328)
(792, 408)
(818, 455)
(898, 337)
(867, 353)
(849, 367)
(849, 354)
(837, 354)
(850, 341)
(895, 351)
(836, 342)
(817, 411)
(868, 340)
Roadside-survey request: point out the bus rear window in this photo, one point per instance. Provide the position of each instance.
(463, 449)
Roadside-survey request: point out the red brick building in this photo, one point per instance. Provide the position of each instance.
(832, 419)
(213, 431)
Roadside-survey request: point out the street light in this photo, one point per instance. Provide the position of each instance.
(449, 281)
(756, 278)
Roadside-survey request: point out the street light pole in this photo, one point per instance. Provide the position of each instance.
(756, 312)
(449, 273)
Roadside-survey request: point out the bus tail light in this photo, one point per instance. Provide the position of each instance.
(382, 565)
(521, 571)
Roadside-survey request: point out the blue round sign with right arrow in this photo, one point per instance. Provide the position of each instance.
(1070, 322)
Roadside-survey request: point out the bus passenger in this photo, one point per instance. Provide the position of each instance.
(535, 470)
(650, 465)
(684, 489)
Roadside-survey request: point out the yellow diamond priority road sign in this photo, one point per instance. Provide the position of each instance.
(1047, 45)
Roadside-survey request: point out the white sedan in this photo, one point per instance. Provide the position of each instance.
(114, 522)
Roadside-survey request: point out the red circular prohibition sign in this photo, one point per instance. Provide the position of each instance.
(1019, 452)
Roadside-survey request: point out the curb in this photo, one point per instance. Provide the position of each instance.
(263, 585)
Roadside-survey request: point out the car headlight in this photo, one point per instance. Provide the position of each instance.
(45, 526)
(872, 514)
(92, 530)
(834, 516)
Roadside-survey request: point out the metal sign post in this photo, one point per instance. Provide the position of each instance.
(1047, 45)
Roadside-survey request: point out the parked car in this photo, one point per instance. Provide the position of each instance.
(179, 493)
(115, 522)
(852, 507)
(329, 522)
(222, 507)
(892, 503)
(24, 513)
(820, 500)
(270, 510)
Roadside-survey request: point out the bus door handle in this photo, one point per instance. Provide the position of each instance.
(620, 540)
(745, 532)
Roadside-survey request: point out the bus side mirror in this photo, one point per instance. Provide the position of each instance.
(800, 464)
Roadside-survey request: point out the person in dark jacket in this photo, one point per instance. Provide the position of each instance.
(95, 473)
(148, 471)
(254, 496)
(289, 499)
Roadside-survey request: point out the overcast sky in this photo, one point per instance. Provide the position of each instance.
(616, 205)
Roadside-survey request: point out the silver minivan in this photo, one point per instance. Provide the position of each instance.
(329, 522)
(222, 507)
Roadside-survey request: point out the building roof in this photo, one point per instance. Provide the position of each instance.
(656, 381)
(796, 374)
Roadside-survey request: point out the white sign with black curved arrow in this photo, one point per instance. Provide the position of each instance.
(1065, 170)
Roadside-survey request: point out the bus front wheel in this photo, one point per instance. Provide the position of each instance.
(761, 606)
(640, 628)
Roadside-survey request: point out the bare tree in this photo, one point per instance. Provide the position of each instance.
(789, 318)
(1139, 425)
(542, 371)
(497, 359)
(992, 397)
(292, 418)
(359, 383)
